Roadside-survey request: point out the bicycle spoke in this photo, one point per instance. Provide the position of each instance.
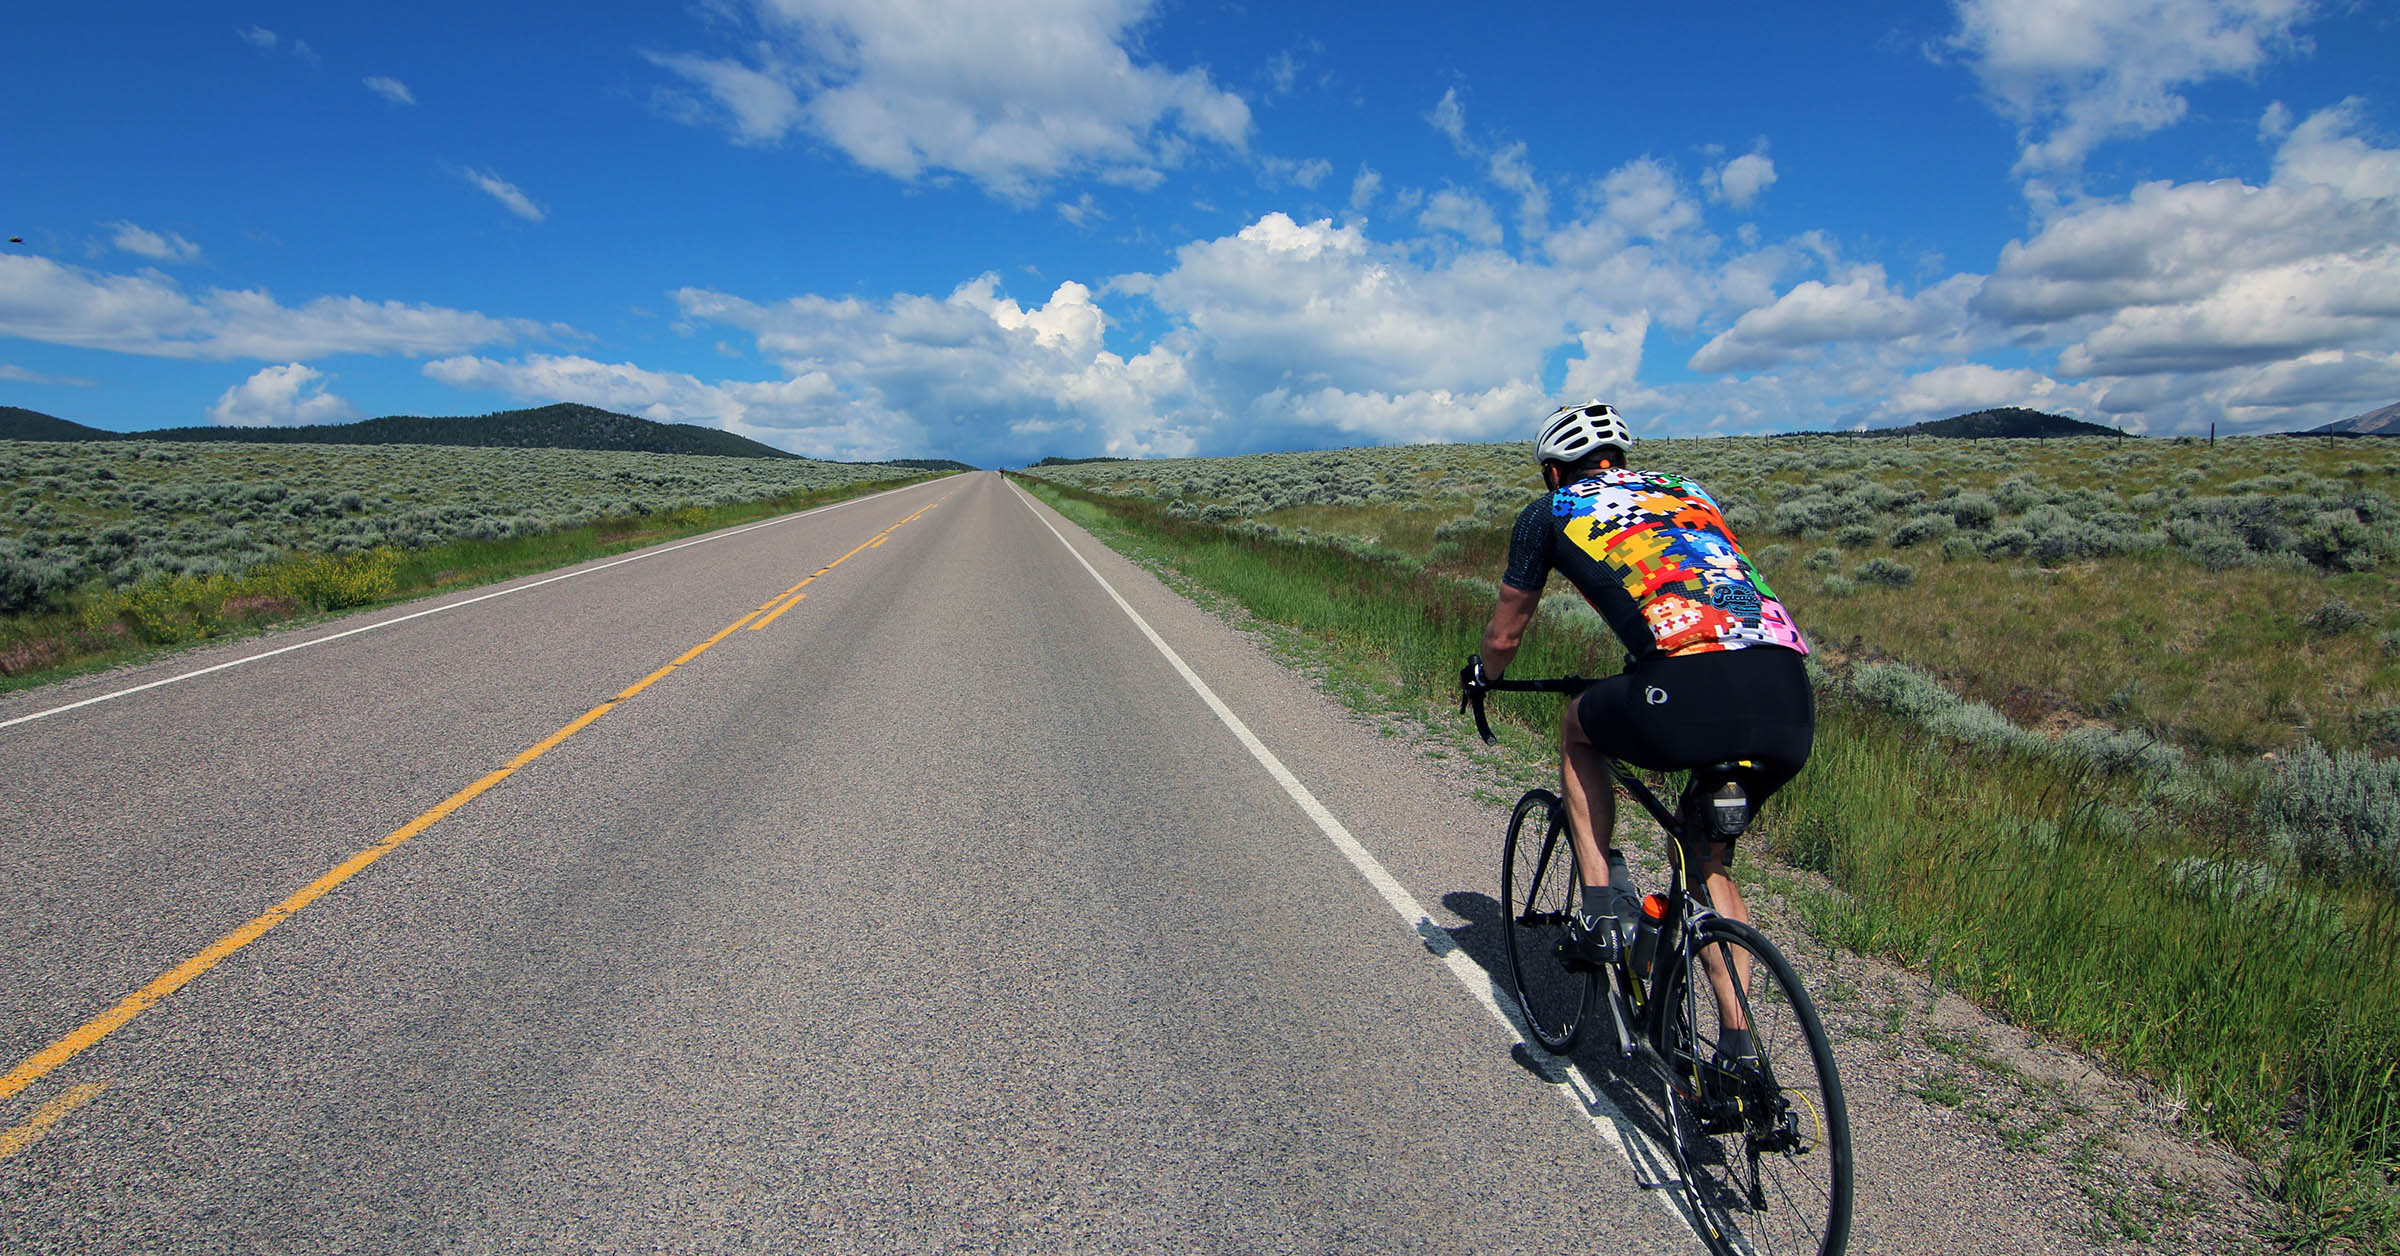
(1537, 884)
(1779, 1180)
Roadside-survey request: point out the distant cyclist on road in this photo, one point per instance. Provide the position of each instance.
(1713, 670)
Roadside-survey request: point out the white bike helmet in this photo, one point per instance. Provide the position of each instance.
(1573, 433)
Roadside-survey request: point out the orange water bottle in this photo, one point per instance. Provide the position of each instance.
(1645, 933)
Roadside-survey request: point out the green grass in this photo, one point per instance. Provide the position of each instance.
(1943, 1089)
(114, 513)
(2216, 646)
(103, 627)
(2033, 883)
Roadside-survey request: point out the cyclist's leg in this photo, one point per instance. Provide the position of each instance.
(1726, 897)
(1756, 707)
(1591, 796)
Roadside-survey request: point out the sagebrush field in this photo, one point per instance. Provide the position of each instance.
(116, 512)
(2231, 597)
(111, 548)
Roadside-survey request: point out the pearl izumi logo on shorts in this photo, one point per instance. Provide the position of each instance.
(1655, 696)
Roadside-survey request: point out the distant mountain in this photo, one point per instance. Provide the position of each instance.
(924, 464)
(2007, 421)
(1055, 461)
(21, 424)
(562, 426)
(2384, 422)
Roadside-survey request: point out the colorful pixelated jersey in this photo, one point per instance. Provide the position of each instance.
(1651, 552)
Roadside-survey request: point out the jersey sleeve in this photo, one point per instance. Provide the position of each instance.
(1529, 549)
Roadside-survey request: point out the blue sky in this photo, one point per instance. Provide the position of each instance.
(1000, 229)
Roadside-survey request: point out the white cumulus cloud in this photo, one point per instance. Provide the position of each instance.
(1463, 214)
(2074, 74)
(1739, 181)
(148, 313)
(2326, 151)
(971, 373)
(2193, 277)
(1300, 306)
(281, 396)
(758, 103)
(1967, 386)
(157, 246)
(1611, 366)
(1364, 186)
(1013, 94)
(2172, 306)
(1862, 306)
(2168, 307)
(1644, 198)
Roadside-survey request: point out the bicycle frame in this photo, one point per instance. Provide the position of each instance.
(1687, 911)
(1671, 966)
(1771, 1131)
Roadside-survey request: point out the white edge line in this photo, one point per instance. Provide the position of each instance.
(1651, 1164)
(446, 606)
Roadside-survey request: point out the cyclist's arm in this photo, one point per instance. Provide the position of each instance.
(1520, 587)
(1509, 618)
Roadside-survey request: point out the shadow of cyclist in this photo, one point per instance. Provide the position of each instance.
(1484, 939)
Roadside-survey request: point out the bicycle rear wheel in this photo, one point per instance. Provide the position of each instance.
(1770, 1168)
(1537, 890)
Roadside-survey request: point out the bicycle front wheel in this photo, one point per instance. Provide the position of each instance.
(1780, 1183)
(1537, 890)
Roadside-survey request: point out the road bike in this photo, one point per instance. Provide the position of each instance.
(1761, 1145)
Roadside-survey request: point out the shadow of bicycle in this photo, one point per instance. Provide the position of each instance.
(1627, 1092)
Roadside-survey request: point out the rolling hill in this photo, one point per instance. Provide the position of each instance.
(2007, 421)
(562, 426)
(2384, 422)
(17, 423)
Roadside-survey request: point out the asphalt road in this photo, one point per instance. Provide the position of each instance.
(938, 913)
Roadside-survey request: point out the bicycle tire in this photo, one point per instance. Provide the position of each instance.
(1538, 884)
(1769, 1168)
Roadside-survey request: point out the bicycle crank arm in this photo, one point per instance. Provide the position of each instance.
(1616, 1020)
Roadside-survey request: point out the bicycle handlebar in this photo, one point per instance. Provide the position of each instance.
(1472, 686)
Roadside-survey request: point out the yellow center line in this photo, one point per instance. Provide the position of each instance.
(47, 1115)
(793, 596)
(546, 744)
(41, 1063)
(645, 682)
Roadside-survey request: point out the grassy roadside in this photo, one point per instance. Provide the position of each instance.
(2231, 601)
(2058, 890)
(102, 627)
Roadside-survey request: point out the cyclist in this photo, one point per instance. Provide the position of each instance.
(1713, 668)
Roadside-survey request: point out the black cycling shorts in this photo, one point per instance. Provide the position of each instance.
(1689, 710)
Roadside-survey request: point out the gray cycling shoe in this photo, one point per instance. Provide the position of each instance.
(1597, 941)
(1736, 1058)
